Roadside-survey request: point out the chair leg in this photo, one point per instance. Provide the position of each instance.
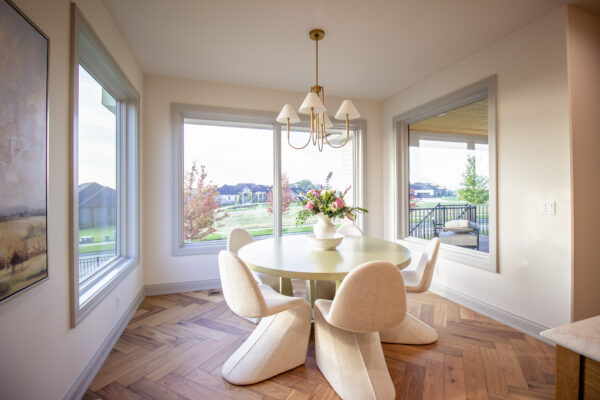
(409, 331)
(352, 363)
(278, 344)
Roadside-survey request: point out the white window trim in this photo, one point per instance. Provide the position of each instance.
(221, 116)
(92, 54)
(474, 92)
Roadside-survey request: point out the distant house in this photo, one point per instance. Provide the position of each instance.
(97, 205)
(243, 193)
(426, 190)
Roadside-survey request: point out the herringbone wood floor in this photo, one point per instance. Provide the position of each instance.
(174, 347)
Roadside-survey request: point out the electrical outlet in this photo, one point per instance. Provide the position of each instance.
(548, 207)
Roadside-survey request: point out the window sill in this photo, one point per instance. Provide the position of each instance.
(193, 249)
(95, 292)
(472, 258)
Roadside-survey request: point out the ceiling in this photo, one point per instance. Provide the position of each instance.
(471, 119)
(371, 50)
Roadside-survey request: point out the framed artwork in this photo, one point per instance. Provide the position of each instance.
(23, 152)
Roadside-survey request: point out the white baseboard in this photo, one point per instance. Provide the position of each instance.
(180, 287)
(86, 377)
(514, 321)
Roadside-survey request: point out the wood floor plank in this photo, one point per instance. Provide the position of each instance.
(454, 379)
(151, 390)
(494, 373)
(114, 391)
(475, 385)
(433, 387)
(412, 384)
(175, 345)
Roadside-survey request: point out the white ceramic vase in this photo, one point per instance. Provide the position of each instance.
(324, 228)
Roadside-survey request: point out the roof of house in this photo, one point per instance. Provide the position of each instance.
(237, 189)
(92, 194)
(425, 186)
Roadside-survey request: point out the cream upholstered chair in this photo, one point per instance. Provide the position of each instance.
(280, 340)
(347, 344)
(326, 289)
(238, 238)
(419, 280)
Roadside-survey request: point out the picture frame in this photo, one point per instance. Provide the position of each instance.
(24, 53)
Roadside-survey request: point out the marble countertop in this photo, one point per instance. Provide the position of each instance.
(582, 337)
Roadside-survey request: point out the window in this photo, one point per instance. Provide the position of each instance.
(228, 181)
(104, 233)
(446, 180)
(232, 169)
(308, 168)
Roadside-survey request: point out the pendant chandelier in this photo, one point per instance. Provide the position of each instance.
(314, 104)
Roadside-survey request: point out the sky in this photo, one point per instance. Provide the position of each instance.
(249, 156)
(443, 163)
(97, 134)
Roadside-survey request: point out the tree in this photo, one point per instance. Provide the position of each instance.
(287, 195)
(200, 205)
(305, 185)
(474, 187)
(412, 199)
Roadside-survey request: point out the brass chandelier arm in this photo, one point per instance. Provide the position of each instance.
(290, 143)
(347, 136)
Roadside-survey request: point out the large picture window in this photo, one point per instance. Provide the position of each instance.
(104, 213)
(447, 174)
(232, 170)
(306, 169)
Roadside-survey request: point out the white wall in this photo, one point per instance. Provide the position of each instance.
(40, 356)
(160, 266)
(533, 165)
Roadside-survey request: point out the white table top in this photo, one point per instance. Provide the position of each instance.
(582, 337)
(291, 257)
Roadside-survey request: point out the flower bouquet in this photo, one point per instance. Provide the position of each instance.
(326, 204)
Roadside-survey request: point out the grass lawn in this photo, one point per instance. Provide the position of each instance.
(96, 247)
(99, 233)
(258, 221)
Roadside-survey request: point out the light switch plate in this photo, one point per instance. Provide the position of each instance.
(548, 207)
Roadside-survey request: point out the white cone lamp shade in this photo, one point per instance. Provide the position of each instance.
(328, 123)
(311, 103)
(288, 113)
(347, 108)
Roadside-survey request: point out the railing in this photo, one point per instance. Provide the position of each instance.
(89, 265)
(423, 221)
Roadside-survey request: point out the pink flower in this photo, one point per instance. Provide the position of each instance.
(347, 189)
(311, 191)
(339, 202)
(309, 206)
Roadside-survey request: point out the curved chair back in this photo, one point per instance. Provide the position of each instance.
(371, 298)
(350, 230)
(238, 238)
(240, 290)
(427, 265)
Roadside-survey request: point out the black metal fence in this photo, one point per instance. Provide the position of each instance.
(423, 221)
(89, 265)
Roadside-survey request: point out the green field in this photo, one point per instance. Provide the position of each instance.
(258, 221)
(100, 244)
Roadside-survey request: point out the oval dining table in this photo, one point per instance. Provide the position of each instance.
(291, 257)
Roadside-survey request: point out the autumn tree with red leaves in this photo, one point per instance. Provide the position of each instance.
(201, 203)
(287, 195)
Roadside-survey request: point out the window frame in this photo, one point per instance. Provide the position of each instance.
(222, 116)
(95, 58)
(469, 94)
